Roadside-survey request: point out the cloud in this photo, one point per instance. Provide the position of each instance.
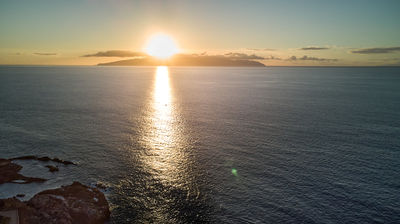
(377, 50)
(271, 57)
(44, 54)
(260, 49)
(116, 53)
(190, 60)
(242, 56)
(308, 58)
(314, 48)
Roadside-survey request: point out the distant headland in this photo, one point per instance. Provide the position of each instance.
(188, 60)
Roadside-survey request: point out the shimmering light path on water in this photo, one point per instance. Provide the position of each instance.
(219, 145)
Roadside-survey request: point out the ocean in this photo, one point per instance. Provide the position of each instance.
(212, 145)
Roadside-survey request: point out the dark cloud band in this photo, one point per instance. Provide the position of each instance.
(308, 58)
(377, 50)
(314, 48)
(45, 54)
(242, 56)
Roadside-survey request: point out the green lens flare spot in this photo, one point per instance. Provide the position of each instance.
(234, 172)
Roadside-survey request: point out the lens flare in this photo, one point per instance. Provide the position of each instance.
(234, 172)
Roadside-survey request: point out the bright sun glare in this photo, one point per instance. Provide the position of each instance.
(161, 46)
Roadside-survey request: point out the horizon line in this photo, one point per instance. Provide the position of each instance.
(266, 66)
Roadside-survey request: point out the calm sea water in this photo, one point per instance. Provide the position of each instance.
(219, 145)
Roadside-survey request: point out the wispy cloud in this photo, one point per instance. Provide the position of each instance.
(271, 57)
(242, 56)
(314, 48)
(261, 49)
(308, 58)
(116, 53)
(44, 54)
(376, 50)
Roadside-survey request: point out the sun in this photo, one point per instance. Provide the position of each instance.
(161, 46)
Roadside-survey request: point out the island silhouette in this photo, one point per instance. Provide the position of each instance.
(234, 60)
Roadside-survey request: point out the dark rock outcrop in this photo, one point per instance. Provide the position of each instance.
(9, 173)
(24, 211)
(45, 159)
(52, 168)
(75, 203)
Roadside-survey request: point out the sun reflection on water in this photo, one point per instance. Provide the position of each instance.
(163, 135)
(162, 118)
(166, 186)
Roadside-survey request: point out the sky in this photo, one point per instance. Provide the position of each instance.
(281, 32)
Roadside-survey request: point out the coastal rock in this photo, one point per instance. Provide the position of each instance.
(75, 203)
(44, 159)
(52, 168)
(12, 208)
(9, 173)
